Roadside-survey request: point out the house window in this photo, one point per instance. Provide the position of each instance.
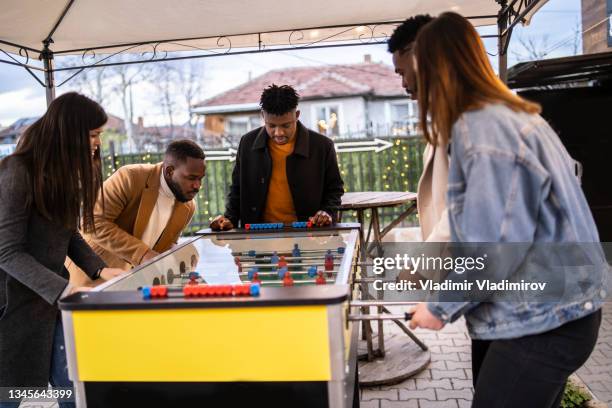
(400, 112)
(237, 126)
(255, 122)
(328, 120)
(403, 118)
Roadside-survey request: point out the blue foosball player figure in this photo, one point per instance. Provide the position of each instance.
(274, 258)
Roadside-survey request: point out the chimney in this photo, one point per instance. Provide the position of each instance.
(140, 123)
(367, 58)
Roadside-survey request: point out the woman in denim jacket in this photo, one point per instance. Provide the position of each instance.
(510, 181)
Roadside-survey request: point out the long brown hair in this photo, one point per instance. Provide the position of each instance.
(64, 176)
(454, 75)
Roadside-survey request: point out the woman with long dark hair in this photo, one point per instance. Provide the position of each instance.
(48, 188)
(510, 181)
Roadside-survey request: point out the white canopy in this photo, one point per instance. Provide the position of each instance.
(89, 24)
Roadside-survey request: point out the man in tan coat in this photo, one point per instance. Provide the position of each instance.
(146, 208)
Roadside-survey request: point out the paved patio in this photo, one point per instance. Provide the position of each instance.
(447, 381)
(597, 372)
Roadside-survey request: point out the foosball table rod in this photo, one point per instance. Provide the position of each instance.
(365, 303)
(372, 280)
(275, 273)
(359, 318)
(339, 250)
(277, 282)
(275, 265)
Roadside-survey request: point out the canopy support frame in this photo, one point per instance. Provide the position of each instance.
(510, 14)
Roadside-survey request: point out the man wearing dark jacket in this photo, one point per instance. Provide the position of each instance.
(284, 172)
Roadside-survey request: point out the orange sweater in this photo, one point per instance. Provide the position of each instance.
(279, 204)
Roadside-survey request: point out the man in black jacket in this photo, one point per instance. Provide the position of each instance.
(284, 172)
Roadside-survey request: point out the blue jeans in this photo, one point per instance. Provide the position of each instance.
(58, 377)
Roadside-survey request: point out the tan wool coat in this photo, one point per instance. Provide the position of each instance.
(130, 195)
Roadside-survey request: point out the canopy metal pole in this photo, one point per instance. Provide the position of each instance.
(47, 57)
(502, 38)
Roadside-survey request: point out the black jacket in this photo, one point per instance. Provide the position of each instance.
(312, 173)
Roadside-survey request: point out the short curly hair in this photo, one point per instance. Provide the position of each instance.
(278, 100)
(406, 32)
(180, 150)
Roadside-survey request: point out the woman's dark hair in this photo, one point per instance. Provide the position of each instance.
(278, 100)
(65, 178)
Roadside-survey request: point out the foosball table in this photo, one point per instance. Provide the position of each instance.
(258, 315)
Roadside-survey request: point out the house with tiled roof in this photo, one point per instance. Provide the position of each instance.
(11, 134)
(341, 101)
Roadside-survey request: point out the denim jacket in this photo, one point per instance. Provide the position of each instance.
(512, 181)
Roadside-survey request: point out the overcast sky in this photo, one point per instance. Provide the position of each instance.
(21, 96)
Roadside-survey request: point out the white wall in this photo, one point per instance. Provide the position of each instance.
(381, 117)
(351, 115)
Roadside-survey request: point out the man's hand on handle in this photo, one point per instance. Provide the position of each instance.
(321, 219)
(220, 223)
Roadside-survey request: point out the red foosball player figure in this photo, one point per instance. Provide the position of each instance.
(256, 278)
(238, 263)
(320, 278)
(282, 262)
(329, 262)
(287, 280)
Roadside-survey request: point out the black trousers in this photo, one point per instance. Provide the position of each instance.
(531, 371)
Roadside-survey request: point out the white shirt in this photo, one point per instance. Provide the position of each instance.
(161, 213)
